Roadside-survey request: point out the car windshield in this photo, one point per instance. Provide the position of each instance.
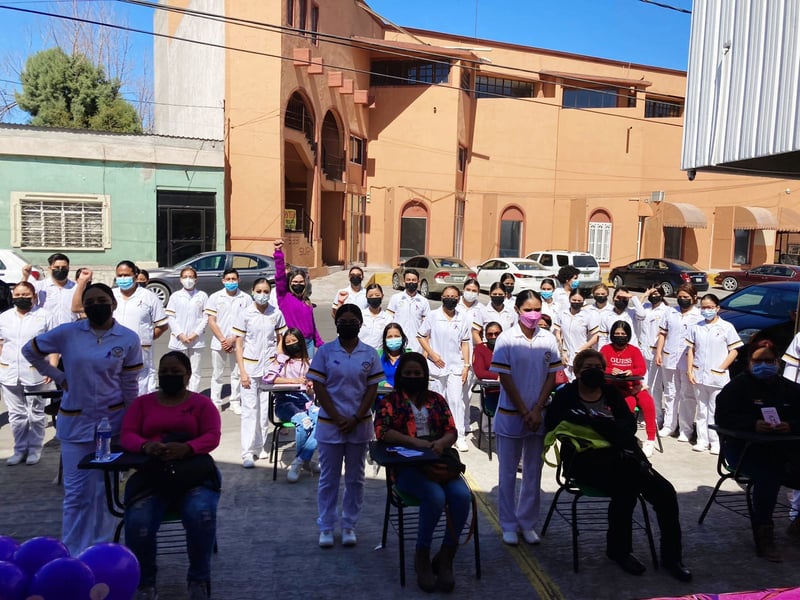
(449, 263)
(528, 266)
(762, 300)
(583, 261)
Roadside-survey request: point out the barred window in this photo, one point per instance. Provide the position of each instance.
(408, 72)
(60, 221)
(496, 87)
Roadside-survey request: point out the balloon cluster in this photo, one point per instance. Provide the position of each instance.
(42, 569)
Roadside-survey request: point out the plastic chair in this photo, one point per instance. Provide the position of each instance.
(489, 394)
(277, 427)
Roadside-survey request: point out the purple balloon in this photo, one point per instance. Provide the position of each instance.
(7, 547)
(63, 579)
(13, 581)
(37, 552)
(116, 566)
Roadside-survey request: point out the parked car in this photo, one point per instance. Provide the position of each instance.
(583, 261)
(209, 267)
(528, 274)
(435, 273)
(733, 280)
(11, 265)
(666, 272)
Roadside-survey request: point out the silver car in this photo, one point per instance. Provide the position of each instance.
(435, 273)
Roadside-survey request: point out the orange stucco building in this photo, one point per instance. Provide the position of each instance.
(360, 141)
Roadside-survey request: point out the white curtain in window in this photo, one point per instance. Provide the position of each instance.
(600, 241)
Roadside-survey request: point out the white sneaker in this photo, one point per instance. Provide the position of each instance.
(326, 539)
(648, 448)
(294, 471)
(664, 432)
(263, 455)
(33, 458)
(248, 463)
(236, 408)
(699, 448)
(311, 465)
(461, 445)
(530, 536)
(15, 459)
(714, 449)
(349, 537)
(511, 538)
(682, 438)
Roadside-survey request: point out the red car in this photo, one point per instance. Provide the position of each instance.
(733, 280)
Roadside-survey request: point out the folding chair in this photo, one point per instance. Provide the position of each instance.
(488, 407)
(277, 427)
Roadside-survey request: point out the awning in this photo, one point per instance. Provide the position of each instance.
(396, 47)
(788, 219)
(618, 81)
(680, 214)
(753, 217)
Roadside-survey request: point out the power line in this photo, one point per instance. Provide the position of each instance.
(667, 6)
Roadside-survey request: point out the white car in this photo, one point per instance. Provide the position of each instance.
(11, 265)
(528, 274)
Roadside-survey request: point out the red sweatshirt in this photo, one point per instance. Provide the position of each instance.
(628, 359)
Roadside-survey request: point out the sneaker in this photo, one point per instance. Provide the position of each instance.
(236, 408)
(146, 593)
(511, 538)
(326, 539)
(530, 536)
(349, 537)
(33, 458)
(248, 463)
(461, 445)
(683, 438)
(311, 465)
(714, 449)
(199, 590)
(648, 447)
(294, 471)
(664, 432)
(699, 448)
(263, 455)
(15, 459)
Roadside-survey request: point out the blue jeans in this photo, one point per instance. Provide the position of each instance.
(292, 407)
(198, 509)
(433, 497)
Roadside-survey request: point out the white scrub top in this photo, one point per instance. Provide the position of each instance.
(225, 307)
(260, 332)
(675, 326)
(16, 330)
(792, 359)
(633, 316)
(506, 317)
(649, 328)
(140, 312)
(445, 337)
(711, 343)
(358, 298)
(576, 330)
(56, 300)
(409, 312)
(371, 332)
(185, 312)
(475, 315)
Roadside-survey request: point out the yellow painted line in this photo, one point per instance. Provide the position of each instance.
(545, 587)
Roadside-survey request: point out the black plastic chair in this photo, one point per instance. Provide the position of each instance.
(277, 427)
(489, 394)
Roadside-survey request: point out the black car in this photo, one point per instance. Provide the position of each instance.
(209, 267)
(651, 272)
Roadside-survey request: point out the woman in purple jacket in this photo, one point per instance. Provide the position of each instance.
(292, 291)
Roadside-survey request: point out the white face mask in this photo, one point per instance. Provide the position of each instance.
(188, 283)
(470, 296)
(261, 299)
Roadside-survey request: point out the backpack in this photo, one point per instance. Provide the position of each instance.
(581, 437)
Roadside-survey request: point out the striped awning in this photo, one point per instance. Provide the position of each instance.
(754, 217)
(680, 214)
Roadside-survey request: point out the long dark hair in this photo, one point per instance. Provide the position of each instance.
(300, 339)
(386, 330)
(405, 359)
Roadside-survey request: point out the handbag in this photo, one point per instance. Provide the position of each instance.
(447, 468)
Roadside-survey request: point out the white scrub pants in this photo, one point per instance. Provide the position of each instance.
(450, 387)
(519, 511)
(706, 405)
(147, 376)
(678, 393)
(219, 359)
(26, 417)
(86, 520)
(655, 385)
(466, 394)
(687, 402)
(194, 354)
(331, 457)
(255, 417)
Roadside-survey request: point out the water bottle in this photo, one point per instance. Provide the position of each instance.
(103, 442)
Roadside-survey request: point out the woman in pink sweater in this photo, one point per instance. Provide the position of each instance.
(177, 429)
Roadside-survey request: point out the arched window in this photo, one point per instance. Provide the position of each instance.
(600, 236)
(332, 148)
(511, 232)
(413, 230)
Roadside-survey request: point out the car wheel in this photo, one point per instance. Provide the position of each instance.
(396, 281)
(617, 281)
(729, 284)
(424, 289)
(669, 289)
(160, 290)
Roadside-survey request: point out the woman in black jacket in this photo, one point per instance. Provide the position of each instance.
(621, 470)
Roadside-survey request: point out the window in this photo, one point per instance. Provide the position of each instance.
(61, 221)
(598, 98)
(356, 150)
(458, 229)
(742, 242)
(413, 230)
(673, 242)
(662, 108)
(408, 72)
(511, 232)
(214, 262)
(243, 262)
(302, 6)
(462, 159)
(599, 239)
(494, 87)
(290, 12)
(314, 24)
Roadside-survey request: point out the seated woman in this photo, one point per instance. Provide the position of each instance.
(623, 359)
(482, 360)
(741, 406)
(296, 407)
(395, 343)
(620, 470)
(415, 417)
(178, 428)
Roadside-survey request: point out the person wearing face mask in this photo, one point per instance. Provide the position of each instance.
(187, 323)
(415, 417)
(546, 291)
(375, 318)
(409, 309)
(575, 329)
(101, 360)
(179, 428)
(507, 281)
(444, 336)
(568, 283)
(599, 308)
(628, 308)
(497, 309)
(346, 373)
(481, 366)
(625, 360)
(621, 470)
(258, 330)
(293, 293)
(222, 309)
(393, 346)
(352, 294)
(741, 406)
(526, 359)
(474, 312)
(671, 357)
(55, 293)
(712, 348)
(19, 325)
(655, 310)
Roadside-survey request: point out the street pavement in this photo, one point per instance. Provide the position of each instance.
(267, 535)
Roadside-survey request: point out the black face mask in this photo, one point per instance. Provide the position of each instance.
(497, 300)
(98, 314)
(298, 289)
(508, 288)
(411, 287)
(414, 385)
(600, 299)
(374, 302)
(171, 385)
(293, 349)
(620, 340)
(348, 331)
(621, 304)
(59, 274)
(685, 302)
(450, 303)
(576, 305)
(490, 343)
(654, 299)
(355, 280)
(22, 303)
(592, 378)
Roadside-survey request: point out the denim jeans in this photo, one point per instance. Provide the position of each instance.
(198, 509)
(305, 440)
(433, 498)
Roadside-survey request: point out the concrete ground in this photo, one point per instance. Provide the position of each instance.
(268, 538)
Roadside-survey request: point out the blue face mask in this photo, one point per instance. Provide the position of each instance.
(231, 286)
(124, 283)
(546, 294)
(764, 370)
(394, 343)
(574, 284)
(708, 314)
